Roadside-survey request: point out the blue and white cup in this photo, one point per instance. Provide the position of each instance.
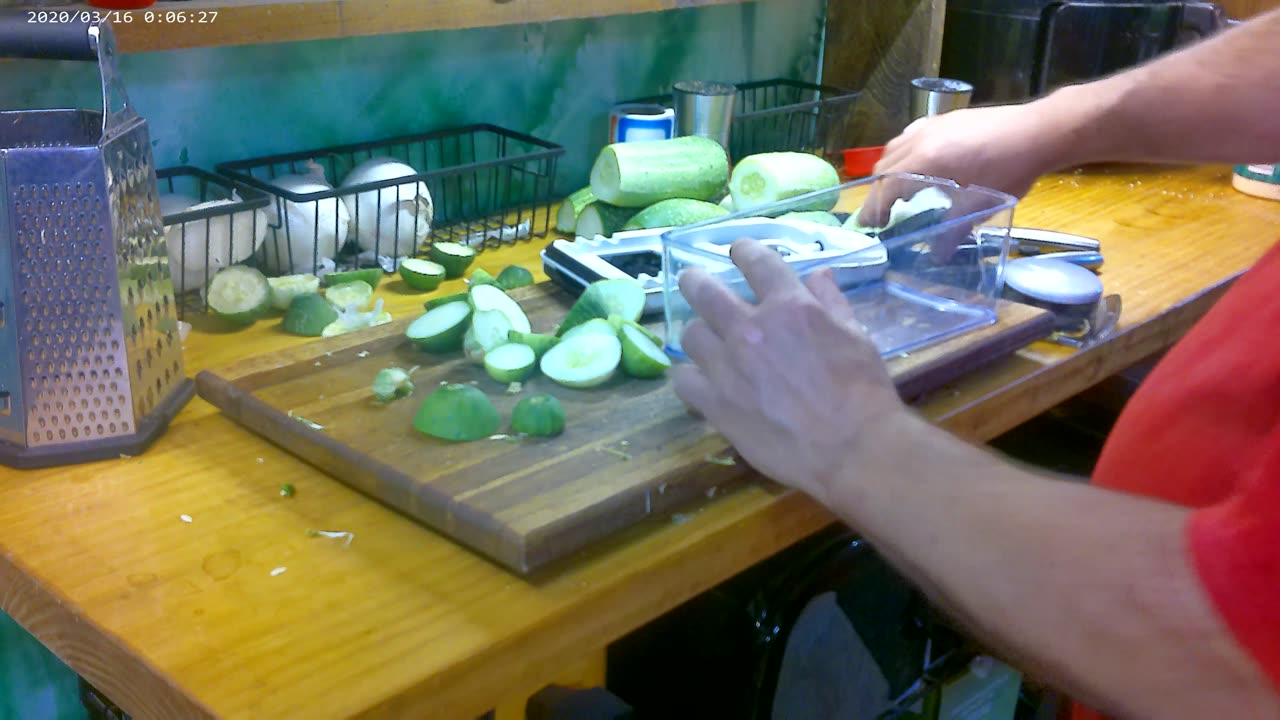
(631, 122)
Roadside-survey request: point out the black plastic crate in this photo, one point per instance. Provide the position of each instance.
(204, 240)
(488, 186)
(784, 115)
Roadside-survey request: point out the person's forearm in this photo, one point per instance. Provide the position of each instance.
(1092, 589)
(1216, 101)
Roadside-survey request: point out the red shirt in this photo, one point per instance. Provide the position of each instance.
(1203, 431)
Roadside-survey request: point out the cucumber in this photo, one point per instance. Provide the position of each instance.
(601, 218)
(676, 212)
(618, 322)
(583, 362)
(772, 177)
(539, 342)
(308, 315)
(594, 325)
(441, 329)
(510, 362)
(421, 275)
(454, 257)
(489, 329)
(491, 297)
(372, 276)
(538, 415)
(458, 413)
(641, 356)
(814, 216)
(514, 276)
(639, 174)
(434, 303)
(602, 298)
(480, 276)
(285, 289)
(239, 294)
(571, 208)
(349, 295)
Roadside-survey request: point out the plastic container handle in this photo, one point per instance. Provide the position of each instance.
(22, 38)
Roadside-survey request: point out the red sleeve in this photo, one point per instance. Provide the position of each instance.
(1235, 548)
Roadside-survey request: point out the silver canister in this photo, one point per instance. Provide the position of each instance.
(704, 109)
(934, 96)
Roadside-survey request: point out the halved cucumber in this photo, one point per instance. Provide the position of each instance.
(455, 257)
(459, 413)
(571, 208)
(491, 297)
(442, 329)
(602, 298)
(539, 342)
(583, 362)
(594, 325)
(641, 356)
(422, 275)
(514, 276)
(510, 362)
(618, 322)
(239, 295)
(489, 329)
(372, 276)
(308, 315)
(349, 295)
(538, 415)
(285, 289)
(434, 303)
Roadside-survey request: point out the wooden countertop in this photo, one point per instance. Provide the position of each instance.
(185, 619)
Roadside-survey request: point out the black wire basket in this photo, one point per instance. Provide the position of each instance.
(210, 222)
(784, 115)
(480, 185)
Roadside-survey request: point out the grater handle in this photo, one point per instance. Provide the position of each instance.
(20, 37)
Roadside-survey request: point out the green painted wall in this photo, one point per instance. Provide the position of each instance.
(554, 80)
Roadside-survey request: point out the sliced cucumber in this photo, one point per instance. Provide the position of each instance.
(480, 276)
(372, 276)
(594, 325)
(639, 174)
(641, 356)
(455, 258)
(421, 275)
(601, 218)
(510, 362)
(441, 330)
(602, 298)
(571, 208)
(285, 289)
(618, 322)
(489, 329)
(676, 212)
(538, 415)
(539, 342)
(583, 362)
(459, 413)
(239, 294)
(491, 297)
(772, 177)
(308, 315)
(434, 303)
(514, 276)
(350, 295)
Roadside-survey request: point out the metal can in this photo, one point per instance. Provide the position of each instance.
(634, 121)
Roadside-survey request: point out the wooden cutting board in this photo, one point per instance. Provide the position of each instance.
(630, 449)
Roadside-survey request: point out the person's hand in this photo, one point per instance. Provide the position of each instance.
(791, 382)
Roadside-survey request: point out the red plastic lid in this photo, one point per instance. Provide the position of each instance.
(861, 162)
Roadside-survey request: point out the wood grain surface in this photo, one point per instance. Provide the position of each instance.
(186, 619)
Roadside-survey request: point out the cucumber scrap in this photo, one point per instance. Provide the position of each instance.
(539, 342)
(454, 257)
(601, 218)
(489, 329)
(583, 362)
(618, 322)
(421, 275)
(239, 295)
(492, 297)
(284, 289)
(458, 413)
(602, 298)
(539, 416)
(308, 315)
(480, 276)
(444, 300)
(353, 318)
(571, 208)
(510, 362)
(641, 356)
(354, 295)
(514, 276)
(441, 329)
(391, 384)
(371, 276)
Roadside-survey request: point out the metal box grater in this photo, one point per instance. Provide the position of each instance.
(90, 355)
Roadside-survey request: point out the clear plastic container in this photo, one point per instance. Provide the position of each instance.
(926, 267)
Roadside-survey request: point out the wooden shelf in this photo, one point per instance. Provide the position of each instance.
(193, 24)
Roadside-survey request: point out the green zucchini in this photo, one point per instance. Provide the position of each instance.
(639, 174)
(772, 177)
(676, 212)
(601, 218)
(571, 208)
